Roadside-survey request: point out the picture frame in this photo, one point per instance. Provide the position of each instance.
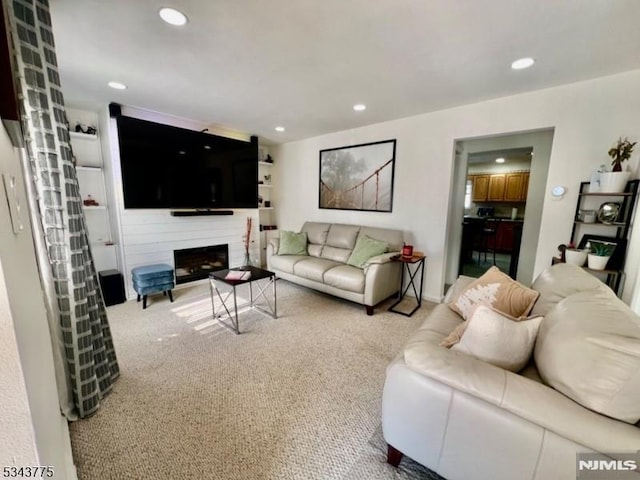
(357, 177)
(616, 261)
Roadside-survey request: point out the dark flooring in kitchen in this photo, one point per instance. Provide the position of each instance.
(475, 269)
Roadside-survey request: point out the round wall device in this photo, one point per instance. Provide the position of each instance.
(558, 191)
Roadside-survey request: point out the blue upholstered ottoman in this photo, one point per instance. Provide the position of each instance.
(153, 279)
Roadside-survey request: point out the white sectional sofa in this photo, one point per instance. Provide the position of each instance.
(325, 268)
(467, 419)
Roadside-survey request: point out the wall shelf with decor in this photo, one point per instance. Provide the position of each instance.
(88, 158)
(600, 213)
(83, 136)
(266, 210)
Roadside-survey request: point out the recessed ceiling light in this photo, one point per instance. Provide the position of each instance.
(172, 16)
(207, 147)
(279, 129)
(500, 160)
(359, 107)
(117, 85)
(521, 63)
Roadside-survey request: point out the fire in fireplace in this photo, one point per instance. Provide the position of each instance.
(197, 263)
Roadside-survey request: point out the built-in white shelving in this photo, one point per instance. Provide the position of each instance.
(88, 157)
(266, 214)
(83, 136)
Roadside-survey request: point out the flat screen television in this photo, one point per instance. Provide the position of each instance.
(170, 167)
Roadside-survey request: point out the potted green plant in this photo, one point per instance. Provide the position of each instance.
(599, 255)
(616, 180)
(621, 152)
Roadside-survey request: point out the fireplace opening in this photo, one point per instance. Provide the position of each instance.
(197, 263)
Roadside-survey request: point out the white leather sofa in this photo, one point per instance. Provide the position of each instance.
(325, 268)
(466, 419)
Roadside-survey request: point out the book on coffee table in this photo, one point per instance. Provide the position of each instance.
(238, 275)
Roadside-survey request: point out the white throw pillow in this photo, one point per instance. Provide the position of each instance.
(497, 339)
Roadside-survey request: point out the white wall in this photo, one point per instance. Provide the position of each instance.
(587, 117)
(26, 313)
(16, 430)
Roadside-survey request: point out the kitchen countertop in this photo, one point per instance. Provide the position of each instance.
(500, 219)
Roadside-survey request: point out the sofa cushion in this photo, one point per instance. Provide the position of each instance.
(286, 263)
(393, 238)
(497, 290)
(336, 254)
(461, 283)
(314, 250)
(560, 281)
(497, 339)
(342, 236)
(589, 349)
(366, 248)
(292, 243)
(313, 268)
(345, 277)
(316, 232)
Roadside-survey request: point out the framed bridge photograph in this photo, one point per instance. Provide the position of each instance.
(358, 177)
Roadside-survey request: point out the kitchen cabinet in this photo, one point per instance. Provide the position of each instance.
(513, 187)
(506, 231)
(516, 187)
(496, 188)
(525, 186)
(480, 188)
(504, 239)
(502, 187)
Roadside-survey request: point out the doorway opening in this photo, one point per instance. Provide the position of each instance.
(496, 202)
(494, 210)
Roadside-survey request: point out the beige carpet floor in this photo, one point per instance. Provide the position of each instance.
(297, 397)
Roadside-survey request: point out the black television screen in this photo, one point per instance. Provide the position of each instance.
(170, 167)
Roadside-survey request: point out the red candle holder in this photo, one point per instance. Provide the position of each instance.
(407, 251)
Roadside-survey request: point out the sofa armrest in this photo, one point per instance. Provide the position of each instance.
(272, 248)
(379, 259)
(381, 281)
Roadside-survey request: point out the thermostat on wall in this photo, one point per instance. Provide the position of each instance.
(558, 191)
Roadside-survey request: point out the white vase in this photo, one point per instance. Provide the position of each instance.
(613, 182)
(596, 262)
(576, 257)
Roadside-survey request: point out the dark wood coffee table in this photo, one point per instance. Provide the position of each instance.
(269, 307)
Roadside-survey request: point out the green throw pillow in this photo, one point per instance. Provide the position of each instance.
(292, 243)
(366, 247)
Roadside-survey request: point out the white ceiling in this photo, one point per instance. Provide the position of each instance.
(511, 155)
(250, 65)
